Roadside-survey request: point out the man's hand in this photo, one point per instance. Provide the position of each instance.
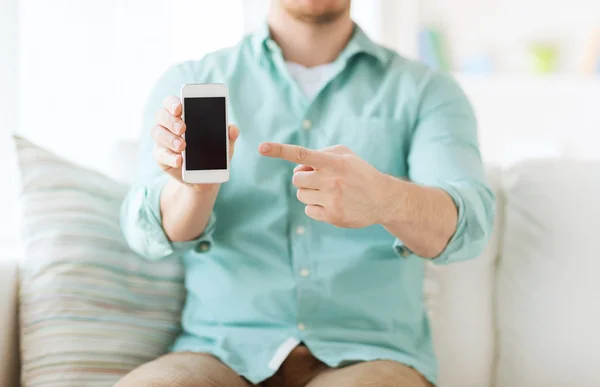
(185, 208)
(337, 186)
(340, 188)
(169, 143)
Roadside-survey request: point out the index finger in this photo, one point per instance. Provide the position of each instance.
(295, 154)
(173, 105)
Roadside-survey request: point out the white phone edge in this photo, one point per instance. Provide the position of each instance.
(199, 91)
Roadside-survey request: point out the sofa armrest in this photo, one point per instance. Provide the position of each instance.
(9, 349)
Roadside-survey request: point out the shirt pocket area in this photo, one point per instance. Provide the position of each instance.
(382, 142)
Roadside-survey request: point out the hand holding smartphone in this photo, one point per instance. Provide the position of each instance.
(197, 152)
(206, 155)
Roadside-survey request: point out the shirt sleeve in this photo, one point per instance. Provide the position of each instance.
(141, 219)
(445, 154)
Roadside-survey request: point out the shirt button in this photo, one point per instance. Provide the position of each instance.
(306, 124)
(404, 251)
(272, 45)
(304, 272)
(300, 230)
(204, 246)
(301, 327)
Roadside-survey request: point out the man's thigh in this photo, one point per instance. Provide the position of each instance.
(381, 373)
(183, 369)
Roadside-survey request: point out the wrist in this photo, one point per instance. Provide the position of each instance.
(393, 198)
(192, 193)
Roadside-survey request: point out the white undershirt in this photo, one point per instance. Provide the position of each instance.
(310, 79)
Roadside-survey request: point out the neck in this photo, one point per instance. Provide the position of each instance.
(309, 44)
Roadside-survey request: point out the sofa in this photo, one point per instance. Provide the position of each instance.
(9, 348)
(524, 314)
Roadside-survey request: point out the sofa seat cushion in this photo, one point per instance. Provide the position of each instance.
(548, 278)
(460, 301)
(9, 354)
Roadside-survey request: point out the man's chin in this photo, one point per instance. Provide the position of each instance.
(309, 14)
(317, 18)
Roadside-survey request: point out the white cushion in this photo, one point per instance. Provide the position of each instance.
(548, 278)
(460, 302)
(91, 310)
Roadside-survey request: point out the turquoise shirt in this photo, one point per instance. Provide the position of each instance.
(263, 272)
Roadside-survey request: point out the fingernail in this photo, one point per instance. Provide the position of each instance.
(177, 143)
(264, 148)
(173, 107)
(177, 127)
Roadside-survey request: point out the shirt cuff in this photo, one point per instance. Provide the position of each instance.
(146, 226)
(452, 251)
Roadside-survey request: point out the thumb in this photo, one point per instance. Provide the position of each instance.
(303, 168)
(234, 134)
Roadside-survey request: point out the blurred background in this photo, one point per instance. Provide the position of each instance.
(75, 72)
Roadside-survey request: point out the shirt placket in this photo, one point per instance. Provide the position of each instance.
(301, 232)
(301, 227)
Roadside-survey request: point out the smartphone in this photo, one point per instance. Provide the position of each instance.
(205, 159)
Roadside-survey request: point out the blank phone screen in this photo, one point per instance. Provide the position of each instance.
(205, 134)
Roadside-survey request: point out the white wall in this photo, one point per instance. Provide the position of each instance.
(87, 67)
(8, 66)
(505, 28)
(523, 117)
(8, 119)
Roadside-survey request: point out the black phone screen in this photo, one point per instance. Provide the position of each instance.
(205, 134)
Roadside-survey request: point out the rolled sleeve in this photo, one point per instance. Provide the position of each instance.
(445, 154)
(141, 219)
(473, 227)
(142, 224)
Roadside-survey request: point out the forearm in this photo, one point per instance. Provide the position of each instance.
(423, 218)
(185, 211)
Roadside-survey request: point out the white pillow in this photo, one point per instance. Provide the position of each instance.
(90, 309)
(549, 276)
(460, 302)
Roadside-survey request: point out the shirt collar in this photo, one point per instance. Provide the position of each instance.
(359, 43)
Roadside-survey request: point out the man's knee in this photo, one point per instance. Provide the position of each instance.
(183, 370)
(152, 375)
(148, 381)
(164, 379)
(384, 373)
(380, 373)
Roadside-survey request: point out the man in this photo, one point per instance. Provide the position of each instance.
(354, 167)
